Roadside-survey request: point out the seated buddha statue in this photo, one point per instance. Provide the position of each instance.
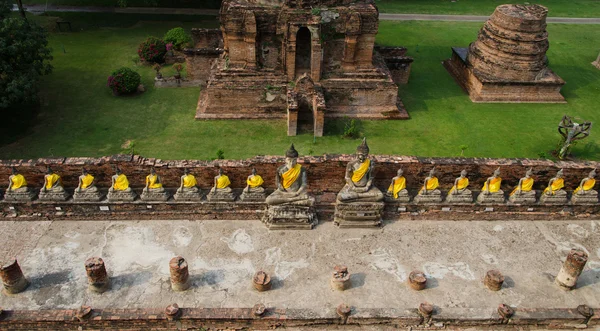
(554, 193)
(86, 188)
(52, 189)
(120, 190)
(397, 190)
(291, 183)
(585, 193)
(253, 190)
(359, 179)
(17, 188)
(188, 189)
(429, 192)
(459, 191)
(154, 190)
(524, 192)
(221, 190)
(491, 192)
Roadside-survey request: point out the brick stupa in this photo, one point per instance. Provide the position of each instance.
(507, 62)
(304, 60)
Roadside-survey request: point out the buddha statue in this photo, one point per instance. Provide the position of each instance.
(253, 190)
(290, 206)
(524, 192)
(154, 190)
(585, 193)
(491, 192)
(359, 203)
(554, 193)
(188, 188)
(429, 192)
(459, 193)
(17, 188)
(397, 191)
(221, 190)
(120, 190)
(86, 188)
(359, 179)
(52, 189)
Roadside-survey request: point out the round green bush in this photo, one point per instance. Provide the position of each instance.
(123, 80)
(153, 50)
(178, 37)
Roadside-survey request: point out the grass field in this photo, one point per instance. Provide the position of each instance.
(81, 117)
(558, 8)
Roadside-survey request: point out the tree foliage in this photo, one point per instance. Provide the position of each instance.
(24, 57)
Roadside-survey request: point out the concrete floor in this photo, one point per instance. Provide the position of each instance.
(223, 256)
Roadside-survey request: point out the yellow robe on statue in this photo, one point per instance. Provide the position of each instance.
(87, 181)
(359, 173)
(526, 186)
(494, 185)
(51, 180)
(255, 181)
(223, 181)
(121, 183)
(461, 185)
(556, 185)
(588, 185)
(151, 181)
(398, 185)
(432, 184)
(189, 181)
(18, 181)
(289, 177)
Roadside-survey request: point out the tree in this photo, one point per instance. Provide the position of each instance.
(24, 57)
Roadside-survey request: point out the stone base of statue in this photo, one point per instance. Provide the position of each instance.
(155, 195)
(188, 195)
(22, 194)
(558, 198)
(525, 198)
(291, 216)
(253, 196)
(220, 196)
(121, 196)
(491, 198)
(58, 195)
(403, 197)
(87, 196)
(590, 198)
(461, 197)
(432, 197)
(358, 214)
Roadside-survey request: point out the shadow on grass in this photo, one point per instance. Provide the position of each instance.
(17, 123)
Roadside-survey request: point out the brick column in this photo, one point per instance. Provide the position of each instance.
(13, 279)
(571, 269)
(180, 277)
(98, 280)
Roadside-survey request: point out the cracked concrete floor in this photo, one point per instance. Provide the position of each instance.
(223, 256)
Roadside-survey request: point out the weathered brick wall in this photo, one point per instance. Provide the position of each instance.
(325, 173)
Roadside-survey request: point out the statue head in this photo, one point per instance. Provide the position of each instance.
(118, 170)
(14, 171)
(592, 173)
(291, 156)
(497, 172)
(253, 171)
(529, 172)
(84, 171)
(559, 174)
(432, 172)
(49, 170)
(186, 171)
(220, 171)
(362, 151)
(463, 173)
(152, 171)
(400, 172)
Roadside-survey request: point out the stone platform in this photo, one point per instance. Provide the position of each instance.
(358, 214)
(223, 257)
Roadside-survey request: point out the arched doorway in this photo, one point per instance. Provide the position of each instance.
(303, 51)
(306, 120)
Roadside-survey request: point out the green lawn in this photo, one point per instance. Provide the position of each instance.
(81, 117)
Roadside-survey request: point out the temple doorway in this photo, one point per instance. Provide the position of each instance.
(303, 51)
(306, 121)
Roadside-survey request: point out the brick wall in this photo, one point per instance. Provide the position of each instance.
(325, 173)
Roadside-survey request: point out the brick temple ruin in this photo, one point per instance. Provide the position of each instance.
(507, 62)
(304, 60)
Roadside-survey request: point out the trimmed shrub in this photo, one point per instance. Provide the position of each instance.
(153, 50)
(123, 80)
(178, 37)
